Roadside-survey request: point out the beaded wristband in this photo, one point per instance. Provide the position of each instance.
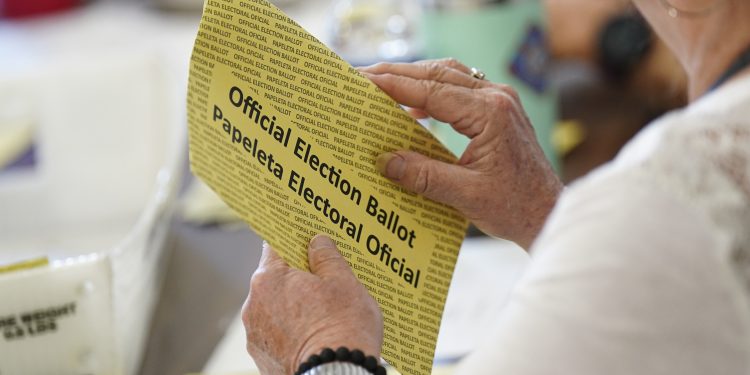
(342, 354)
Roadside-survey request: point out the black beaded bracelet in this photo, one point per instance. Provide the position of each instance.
(342, 354)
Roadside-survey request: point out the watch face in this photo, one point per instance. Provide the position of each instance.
(625, 40)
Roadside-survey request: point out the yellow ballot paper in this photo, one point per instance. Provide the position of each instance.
(287, 133)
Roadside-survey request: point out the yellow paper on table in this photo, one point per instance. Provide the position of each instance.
(287, 133)
(25, 265)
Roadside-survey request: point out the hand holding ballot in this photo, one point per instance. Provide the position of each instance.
(291, 314)
(502, 183)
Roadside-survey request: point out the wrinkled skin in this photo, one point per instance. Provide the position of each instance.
(503, 183)
(291, 314)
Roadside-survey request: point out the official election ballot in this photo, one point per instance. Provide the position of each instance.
(287, 133)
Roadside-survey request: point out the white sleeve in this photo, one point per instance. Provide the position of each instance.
(624, 279)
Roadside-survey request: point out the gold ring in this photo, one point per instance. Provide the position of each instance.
(478, 74)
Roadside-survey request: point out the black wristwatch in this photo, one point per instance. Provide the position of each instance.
(623, 43)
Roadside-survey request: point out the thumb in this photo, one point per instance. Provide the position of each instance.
(325, 260)
(440, 181)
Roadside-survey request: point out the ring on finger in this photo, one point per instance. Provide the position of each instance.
(478, 74)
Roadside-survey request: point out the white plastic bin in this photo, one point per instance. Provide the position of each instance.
(109, 136)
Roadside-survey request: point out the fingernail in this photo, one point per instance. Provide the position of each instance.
(391, 165)
(322, 241)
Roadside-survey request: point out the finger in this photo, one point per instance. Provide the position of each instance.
(417, 113)
(269, 258)
(325, 259)
(461, 107)
(439, 181)
(429, 70)
(447, 62)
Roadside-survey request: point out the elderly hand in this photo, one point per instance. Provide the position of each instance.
(291, 314)
(502, 182)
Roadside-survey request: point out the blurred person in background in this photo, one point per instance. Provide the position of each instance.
(614, 76)
(613, 36)
(643, 266)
